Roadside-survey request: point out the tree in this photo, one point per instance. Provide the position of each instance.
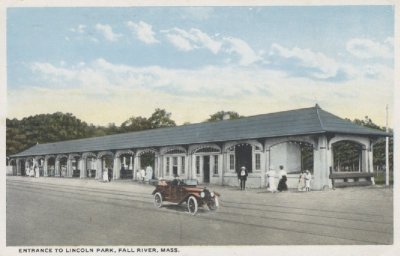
(221, 115)
(161, 118)
(135, 124)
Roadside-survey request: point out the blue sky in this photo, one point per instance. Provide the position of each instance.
(107, 64)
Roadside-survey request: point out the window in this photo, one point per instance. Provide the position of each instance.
(183, 165)
(258, 161)
(197, 164)
(175, 166)
(232, 162)
(167, 166)
(215, 164)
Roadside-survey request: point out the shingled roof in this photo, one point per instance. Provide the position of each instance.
(304, 121)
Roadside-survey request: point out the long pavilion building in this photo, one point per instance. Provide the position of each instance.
(212, 152)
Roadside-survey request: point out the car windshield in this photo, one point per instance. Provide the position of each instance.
(189, 182)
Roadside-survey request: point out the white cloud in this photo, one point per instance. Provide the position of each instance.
(180, 42)
(323, 66)
(192, 39)
(143, 31)
(240, 47)
(107, 32)
(212, 88)
(188, 40)
(367, 49)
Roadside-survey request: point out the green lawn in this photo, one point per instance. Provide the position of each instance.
(381, 176)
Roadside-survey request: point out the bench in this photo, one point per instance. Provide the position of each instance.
(346, 179)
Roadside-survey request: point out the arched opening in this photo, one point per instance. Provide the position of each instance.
(347, 156)
(63, 166)
(75, 166)
(126, 166)
(51, 166)
(22, 166)
(12, 163)
(40, 163)
(106, 170)
(29, 169)
(91, 166)
(147, 164)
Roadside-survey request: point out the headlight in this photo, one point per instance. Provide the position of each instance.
(212, 194)
(202, 194)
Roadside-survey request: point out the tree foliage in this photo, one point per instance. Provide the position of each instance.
(45, 128)
(221, 115)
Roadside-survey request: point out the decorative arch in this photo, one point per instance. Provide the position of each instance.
(196, 148)
(229, 145)
(89, 154)
(270, 143)
(12, 161)
(72, 156)
(59, 157)
(124, 152)
(147, 150)
(105, 153)
(173, 150)
(29, 158)
(47, 157)
(358, 140)
(37, 158)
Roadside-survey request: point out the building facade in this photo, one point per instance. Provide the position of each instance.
(213, 152)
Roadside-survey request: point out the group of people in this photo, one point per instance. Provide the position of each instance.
(144, 175)
(304, 181)
(32, 171)
(282, 177)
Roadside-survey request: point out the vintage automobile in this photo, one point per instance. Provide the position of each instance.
(180, 191)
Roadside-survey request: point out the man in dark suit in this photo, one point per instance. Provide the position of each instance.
(243, 177)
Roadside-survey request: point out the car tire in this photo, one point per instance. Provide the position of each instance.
(192, 205)
(158, 200)
(214, 205)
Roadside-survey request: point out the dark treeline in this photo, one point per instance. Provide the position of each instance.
(45, 128)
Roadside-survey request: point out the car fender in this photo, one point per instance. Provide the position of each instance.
(155, 191)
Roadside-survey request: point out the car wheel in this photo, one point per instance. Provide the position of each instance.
(192, 205)
(158, 200)
(213, 206)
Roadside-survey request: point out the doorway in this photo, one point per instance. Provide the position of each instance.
(243, 155)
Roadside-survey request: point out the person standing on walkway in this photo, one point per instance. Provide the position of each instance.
(243, 177)
(110, 174)
(282, 186)
(105, 175)
(271, 174)
(302, 182)
(308, 178)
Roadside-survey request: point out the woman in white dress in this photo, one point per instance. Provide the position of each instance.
(302, 182)
(105, 175)
(271, 180)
